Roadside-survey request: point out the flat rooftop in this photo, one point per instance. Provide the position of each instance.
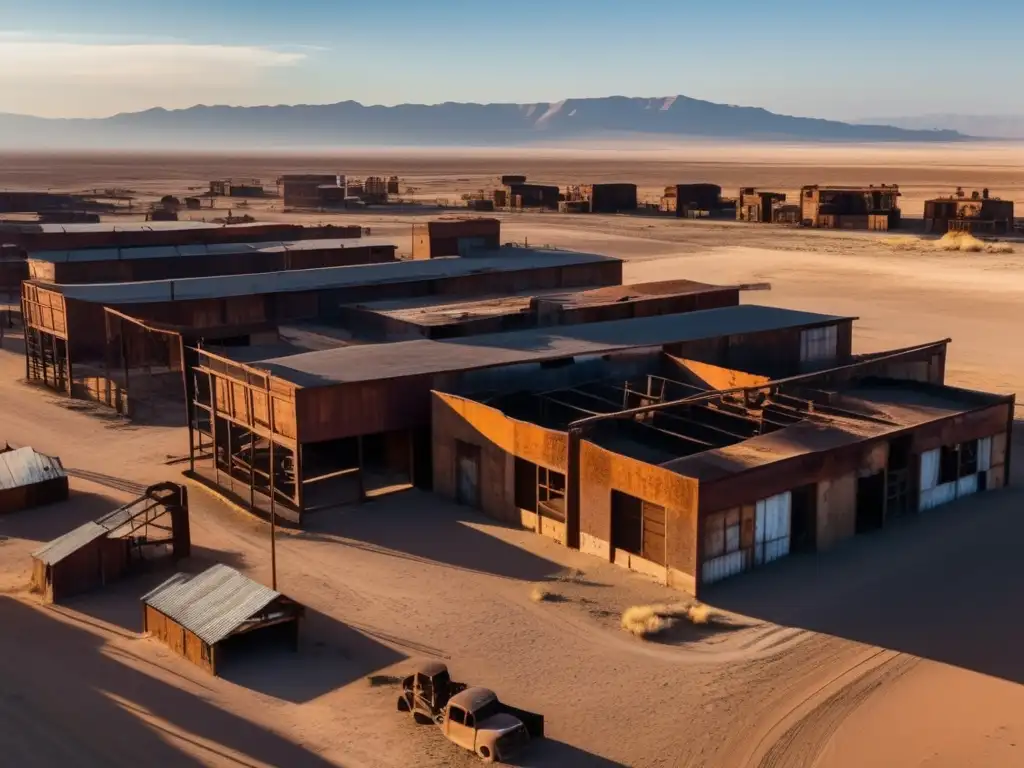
(430, 311)
(124, 226)
(615, 294)
(325, 278)
(211, 249)
(873, 410)
(429, 356)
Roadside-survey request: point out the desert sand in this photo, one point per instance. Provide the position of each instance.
(899, 649)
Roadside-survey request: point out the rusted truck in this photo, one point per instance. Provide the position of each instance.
(471, 717)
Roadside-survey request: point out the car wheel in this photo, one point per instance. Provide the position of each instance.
(422, 719)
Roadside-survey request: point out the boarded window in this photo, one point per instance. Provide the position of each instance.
(817, 344)
(771, 528)
(638, 527)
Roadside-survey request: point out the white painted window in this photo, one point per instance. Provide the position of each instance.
(985, 454)
(930, 469)
(966, 486)
(819, 344)
(771, 528)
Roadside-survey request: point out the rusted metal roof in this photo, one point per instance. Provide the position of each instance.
(72, 541)
(211, 604)
(369, 362)
(25, 466)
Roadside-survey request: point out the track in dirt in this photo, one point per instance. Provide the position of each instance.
(803, 741)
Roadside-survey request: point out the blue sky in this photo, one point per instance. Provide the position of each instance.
(824, 59)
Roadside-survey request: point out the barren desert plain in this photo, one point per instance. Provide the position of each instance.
(902, 648)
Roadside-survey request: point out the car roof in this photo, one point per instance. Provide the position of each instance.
(472, 699)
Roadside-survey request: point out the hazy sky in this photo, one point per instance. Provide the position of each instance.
(822, 58)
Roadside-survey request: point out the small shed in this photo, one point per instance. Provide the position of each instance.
(218, 614)
(149, 528)
(30, 479)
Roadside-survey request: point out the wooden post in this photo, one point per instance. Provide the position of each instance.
(362, 482)
(273, 492)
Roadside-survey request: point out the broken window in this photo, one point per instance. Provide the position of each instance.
(456, 715)
(526, 485)
(968, 458)
(949, 464)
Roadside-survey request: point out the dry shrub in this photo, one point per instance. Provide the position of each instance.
(965, 242)
(903, 243)
(644, 620)
(647, 620)
(539, 594)
(698, 613)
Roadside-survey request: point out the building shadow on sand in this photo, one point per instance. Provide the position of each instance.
(76, 702)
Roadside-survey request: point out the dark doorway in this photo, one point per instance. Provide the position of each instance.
(804, 517)
(898, 476)
(467, 474)
(871, 493)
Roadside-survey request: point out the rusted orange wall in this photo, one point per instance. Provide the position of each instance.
(715, 377)
(501, 439)
(601, 471)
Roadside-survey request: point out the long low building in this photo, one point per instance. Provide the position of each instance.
(692, 472)
(427, 317)
(171, 262)
(322, 428)
(32, 237)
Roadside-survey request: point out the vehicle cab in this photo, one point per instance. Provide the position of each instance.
(475, 720)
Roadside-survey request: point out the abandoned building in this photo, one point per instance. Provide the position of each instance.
(698, 200)
(536, 196)
(149, 529)
(603, 198)
(127, 345)
(69, 237)
(510, 179)
(757, 205)
(122, 265)
(306, 190)
(217, 615)
(873, 208)
(431, 318)
(455, 237)
(237, 188)
(330, 427)
(977, 214)
(30, 479)
(691, 472)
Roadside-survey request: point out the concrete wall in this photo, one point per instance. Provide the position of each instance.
(601, 472)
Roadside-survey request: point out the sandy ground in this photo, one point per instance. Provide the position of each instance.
(900, 649)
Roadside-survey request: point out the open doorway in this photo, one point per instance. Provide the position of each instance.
(871, 494)
(805, 518)
(897, 477)
(467, 474)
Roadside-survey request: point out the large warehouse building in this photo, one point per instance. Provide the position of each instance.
(693, 472)
(324, 428)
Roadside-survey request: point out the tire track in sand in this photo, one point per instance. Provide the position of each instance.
(805, 738)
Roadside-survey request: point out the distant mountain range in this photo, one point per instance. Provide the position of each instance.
(350, 123)
(985, 126)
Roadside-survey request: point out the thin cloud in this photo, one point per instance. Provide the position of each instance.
(55, 63)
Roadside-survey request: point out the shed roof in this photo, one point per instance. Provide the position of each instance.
(205, 249)
(25, 466)
(429, 356)
(325, 278)
(53, 552)
(211, 604)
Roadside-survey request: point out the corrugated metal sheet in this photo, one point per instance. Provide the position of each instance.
(24, 466)
(211, 604)
(324, 278)
(69, 543)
